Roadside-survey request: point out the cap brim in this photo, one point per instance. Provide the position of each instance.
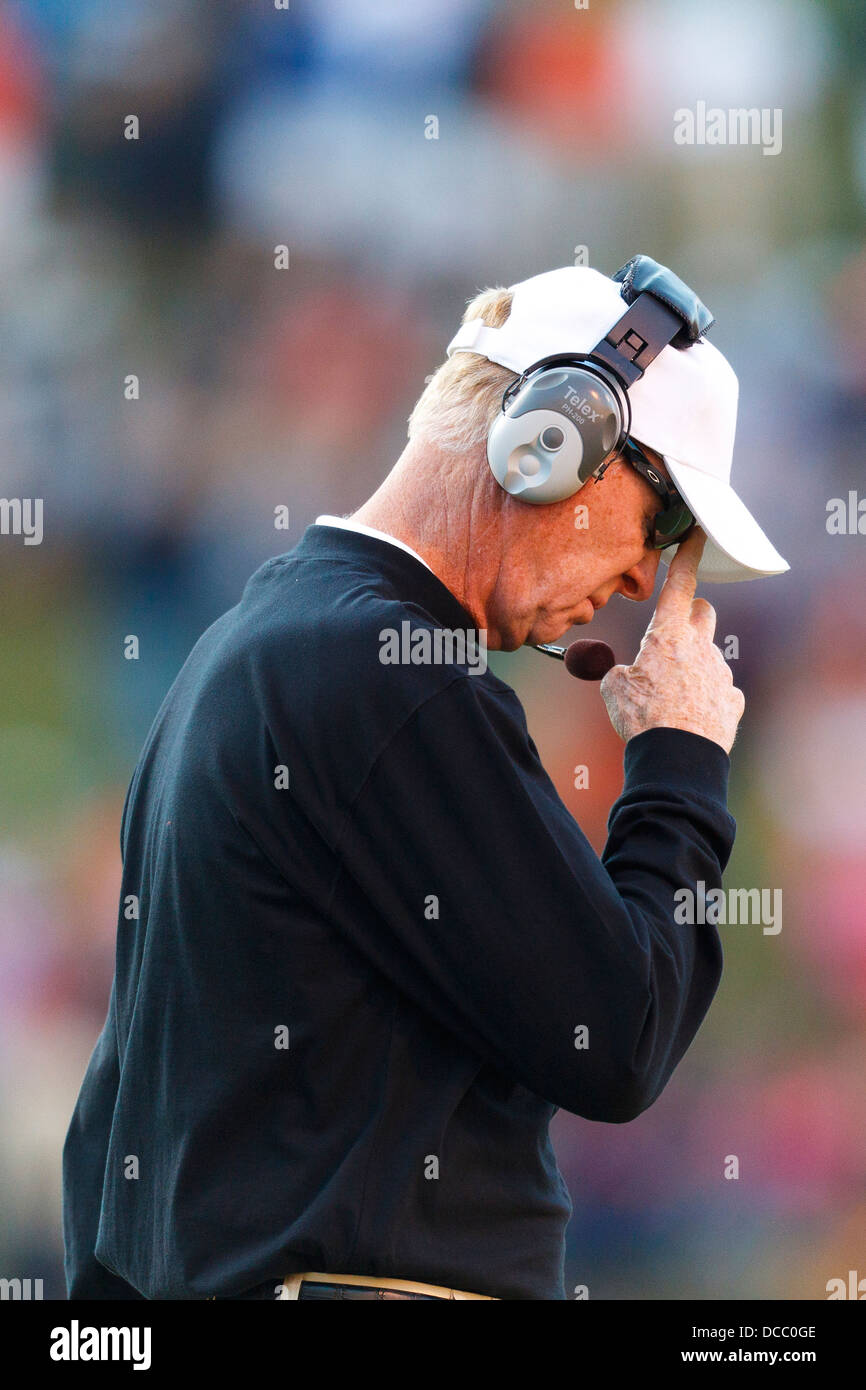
(736, 546)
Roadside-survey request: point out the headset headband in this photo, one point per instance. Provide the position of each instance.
(662, 311)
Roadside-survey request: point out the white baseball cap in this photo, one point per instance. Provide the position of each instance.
(684, 406)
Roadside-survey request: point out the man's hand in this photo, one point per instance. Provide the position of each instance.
(679, 678)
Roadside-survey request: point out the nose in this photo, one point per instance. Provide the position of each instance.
(639, 582)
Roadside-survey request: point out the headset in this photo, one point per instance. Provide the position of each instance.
(567, 416)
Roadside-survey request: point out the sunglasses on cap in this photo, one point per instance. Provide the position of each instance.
(670, 524)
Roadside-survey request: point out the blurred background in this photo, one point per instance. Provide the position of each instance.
(262, 388)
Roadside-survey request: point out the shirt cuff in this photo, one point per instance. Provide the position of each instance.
(678, 759)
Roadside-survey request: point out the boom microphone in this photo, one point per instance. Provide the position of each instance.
(586, 658)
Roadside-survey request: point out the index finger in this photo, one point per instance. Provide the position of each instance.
(678, 590)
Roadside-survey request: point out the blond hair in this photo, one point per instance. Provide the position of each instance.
(463, 397)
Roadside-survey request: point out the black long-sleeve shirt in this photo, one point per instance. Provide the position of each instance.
(368, 930)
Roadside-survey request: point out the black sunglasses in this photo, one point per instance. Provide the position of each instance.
(675, 519)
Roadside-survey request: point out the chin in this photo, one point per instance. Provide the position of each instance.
(551, 630)
(584, 614)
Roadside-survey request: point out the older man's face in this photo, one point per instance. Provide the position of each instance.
(570, 562)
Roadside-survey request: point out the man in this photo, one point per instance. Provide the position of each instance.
(367, 935)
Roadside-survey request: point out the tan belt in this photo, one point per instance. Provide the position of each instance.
(292, 1284)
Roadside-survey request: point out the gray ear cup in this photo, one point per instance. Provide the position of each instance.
(555, 432)
(536, 455)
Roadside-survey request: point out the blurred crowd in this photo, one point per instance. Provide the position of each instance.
(406, 156)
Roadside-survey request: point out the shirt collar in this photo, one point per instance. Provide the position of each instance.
(346, 524)
(409, 577)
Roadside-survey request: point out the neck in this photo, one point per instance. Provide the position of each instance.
(441, 505)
